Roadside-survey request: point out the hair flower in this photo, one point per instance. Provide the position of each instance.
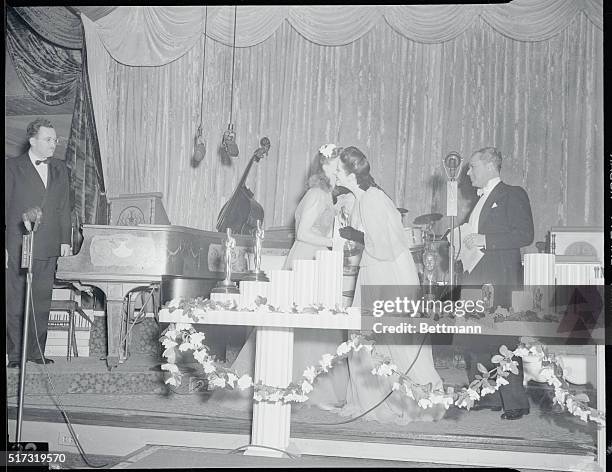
(327, 150)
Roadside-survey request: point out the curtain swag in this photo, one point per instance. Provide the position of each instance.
(48, 72)
(154, 36)
(56, 25)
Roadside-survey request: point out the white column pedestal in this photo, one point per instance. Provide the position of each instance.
(273, 366)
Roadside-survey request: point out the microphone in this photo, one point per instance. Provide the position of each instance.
(452, 166)
(32, 215)
(229, 142)
(199, 147)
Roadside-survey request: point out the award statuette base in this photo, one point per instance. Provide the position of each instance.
(225, 286)
(258, 276)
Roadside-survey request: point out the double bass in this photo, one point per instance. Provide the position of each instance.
(241, 211)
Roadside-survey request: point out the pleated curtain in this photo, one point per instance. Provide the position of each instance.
(405, 102)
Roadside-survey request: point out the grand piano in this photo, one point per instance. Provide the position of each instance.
(119, 259)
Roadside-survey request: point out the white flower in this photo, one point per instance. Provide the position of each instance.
(257, 396)
(425, 403)
(171, 333)
(306, 387)
(445, 400)
(171, 381)
(486, 390)
(196, 338)
(461, 402)
(244, 382)
(209, 367)
(554, 381)
(384, 369)
(583, 414)
(275, 396)
(310, 374)
(301, 398)
(507, 366)
(169, 343)
(218, 382)
(186, 346)
(396, 386)
(263, 308)
(343, 348)
(231, 378)
(170, 368)
(473, 394)
(326, 361)
(174, 303)
(200, 355)
(536, 350)
(560, 396)
(547, 373)
(500, 380)
(327, 150)
(521, 351)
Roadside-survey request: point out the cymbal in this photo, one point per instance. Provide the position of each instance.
(403, 211)
(427, 219)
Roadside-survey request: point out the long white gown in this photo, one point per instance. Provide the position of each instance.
(387, 260)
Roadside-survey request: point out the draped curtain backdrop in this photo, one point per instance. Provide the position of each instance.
(45, 45)
(406, 84)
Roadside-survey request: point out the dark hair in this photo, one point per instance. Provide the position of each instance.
(35, 126)
(317, 176)
(355, 162)
(492, 155)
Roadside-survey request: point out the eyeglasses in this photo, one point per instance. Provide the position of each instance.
(50, 140)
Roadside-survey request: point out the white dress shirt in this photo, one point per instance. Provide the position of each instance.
(42, 169)
(486, 190)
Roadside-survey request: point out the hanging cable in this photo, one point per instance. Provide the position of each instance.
(203, 65)
(233, 62)
(199, 148)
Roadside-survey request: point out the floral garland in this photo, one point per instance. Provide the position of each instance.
(184, 337)
(193, 308)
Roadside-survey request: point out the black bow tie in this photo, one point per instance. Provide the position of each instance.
(43, 161)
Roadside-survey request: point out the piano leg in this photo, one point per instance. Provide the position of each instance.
(114, 317)
(115, 294)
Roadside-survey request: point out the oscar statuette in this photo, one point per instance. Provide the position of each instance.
(226, 285)
(257, 274)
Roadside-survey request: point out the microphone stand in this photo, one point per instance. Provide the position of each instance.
(26, 262)
(452, 167)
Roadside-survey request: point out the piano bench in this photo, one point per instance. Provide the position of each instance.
(70, 306)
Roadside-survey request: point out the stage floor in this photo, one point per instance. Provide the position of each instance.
(134, 396)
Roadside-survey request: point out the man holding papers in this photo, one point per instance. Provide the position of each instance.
(499, 225)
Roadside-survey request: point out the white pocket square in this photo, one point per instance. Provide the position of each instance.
(494, 205)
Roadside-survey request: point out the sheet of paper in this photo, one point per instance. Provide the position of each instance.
(469, 257)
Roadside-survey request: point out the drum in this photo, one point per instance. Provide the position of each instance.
(415, 235)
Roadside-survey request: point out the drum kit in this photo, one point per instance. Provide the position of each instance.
(421, 232)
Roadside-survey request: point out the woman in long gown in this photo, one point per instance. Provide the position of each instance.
(386, 261)
(314, 218)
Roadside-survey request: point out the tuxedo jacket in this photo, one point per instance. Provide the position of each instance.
(24, 189)
(507, 223)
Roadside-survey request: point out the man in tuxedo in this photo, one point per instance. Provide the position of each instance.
(503, 217)
(32, 180)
